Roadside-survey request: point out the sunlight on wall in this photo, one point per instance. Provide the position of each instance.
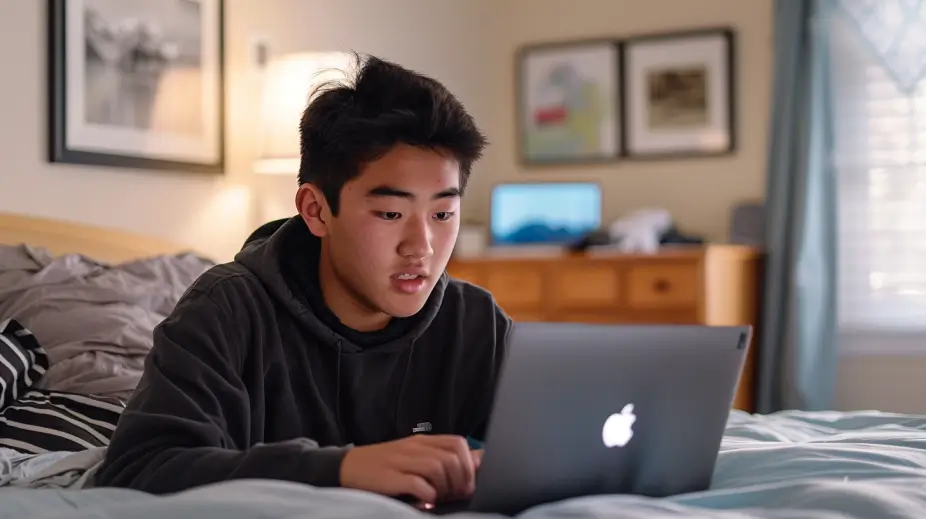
(228, 208)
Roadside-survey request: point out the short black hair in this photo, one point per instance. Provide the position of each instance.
(349, 124)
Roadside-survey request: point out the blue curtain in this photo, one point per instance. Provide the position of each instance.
(797, 360)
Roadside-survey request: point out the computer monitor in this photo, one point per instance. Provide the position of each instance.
(544, 213)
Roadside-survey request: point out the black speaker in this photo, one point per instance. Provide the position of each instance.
(747, 226)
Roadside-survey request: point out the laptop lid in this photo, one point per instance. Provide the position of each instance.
(587, 409)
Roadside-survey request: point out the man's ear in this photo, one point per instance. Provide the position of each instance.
(313, 208)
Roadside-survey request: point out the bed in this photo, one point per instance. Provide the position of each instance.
(785, 465)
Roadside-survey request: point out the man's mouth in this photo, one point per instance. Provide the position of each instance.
(409, 282)
(407, 277)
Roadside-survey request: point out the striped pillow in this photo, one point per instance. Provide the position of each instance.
(50, 421)
(22, 361)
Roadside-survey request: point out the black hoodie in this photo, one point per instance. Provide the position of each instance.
(252, 377)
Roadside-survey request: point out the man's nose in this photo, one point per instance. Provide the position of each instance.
(416, 243)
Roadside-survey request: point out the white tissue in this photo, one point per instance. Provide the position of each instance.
(641, 230)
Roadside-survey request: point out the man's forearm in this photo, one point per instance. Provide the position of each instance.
(162, 468)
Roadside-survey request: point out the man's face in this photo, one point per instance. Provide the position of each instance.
(392, 238)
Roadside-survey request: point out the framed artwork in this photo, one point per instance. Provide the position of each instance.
(568, 102)
(679, 94)
(137, 83)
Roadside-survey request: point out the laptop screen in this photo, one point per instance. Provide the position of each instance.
(544, 212)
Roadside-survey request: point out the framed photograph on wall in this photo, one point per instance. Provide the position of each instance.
(137, 83)
(679, 94)
(568, 102)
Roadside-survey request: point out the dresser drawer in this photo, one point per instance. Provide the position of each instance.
(584, 287)
(517, 288)
(669, 285)
(469, 273)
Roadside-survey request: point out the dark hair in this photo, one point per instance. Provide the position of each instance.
(350, 124)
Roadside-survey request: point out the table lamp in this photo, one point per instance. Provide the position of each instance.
(288, 83)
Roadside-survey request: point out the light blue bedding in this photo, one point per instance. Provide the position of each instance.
(786, 465)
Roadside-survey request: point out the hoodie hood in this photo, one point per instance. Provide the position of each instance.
(283, 254)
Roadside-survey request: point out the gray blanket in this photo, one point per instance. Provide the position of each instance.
(790, 465)
(72, 470)
(95, 320)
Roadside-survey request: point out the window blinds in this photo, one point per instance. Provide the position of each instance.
(880, 163)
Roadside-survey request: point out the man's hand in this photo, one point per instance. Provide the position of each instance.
(430, 468)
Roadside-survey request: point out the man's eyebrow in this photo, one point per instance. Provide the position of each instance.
(388, 191)
(453, 192)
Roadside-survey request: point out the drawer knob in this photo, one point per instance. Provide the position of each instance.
(661, 285)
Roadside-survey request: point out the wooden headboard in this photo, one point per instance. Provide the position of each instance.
(62, 237)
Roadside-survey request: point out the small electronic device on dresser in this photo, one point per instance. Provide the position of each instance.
(531, 217)
(747, 224)
(543, 214)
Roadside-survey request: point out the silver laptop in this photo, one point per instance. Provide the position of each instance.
(607, 409)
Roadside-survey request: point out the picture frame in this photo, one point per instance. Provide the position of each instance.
(137, 84)
(568, 102)
(679, 94)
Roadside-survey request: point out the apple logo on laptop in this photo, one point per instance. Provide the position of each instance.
(618, 428)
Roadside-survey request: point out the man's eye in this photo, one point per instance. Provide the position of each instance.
(389, 215)
(444, 215)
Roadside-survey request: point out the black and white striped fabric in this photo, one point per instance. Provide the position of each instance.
(43, 421)
(22, 361)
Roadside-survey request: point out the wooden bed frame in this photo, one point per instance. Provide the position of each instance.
(99, 243)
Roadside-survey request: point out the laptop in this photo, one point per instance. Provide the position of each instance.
(584, 409)
(532, 218)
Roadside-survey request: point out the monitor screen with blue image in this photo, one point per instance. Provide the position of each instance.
(544, 213)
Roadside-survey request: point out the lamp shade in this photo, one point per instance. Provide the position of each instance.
(288, 83)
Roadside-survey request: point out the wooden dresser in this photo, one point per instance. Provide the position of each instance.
(715, 284)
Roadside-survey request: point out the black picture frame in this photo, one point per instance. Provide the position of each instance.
(523, 55)
(727, 118)
(63, 149)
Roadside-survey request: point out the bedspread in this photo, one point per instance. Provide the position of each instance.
(94, 320)
(65, 470)
(837, 465)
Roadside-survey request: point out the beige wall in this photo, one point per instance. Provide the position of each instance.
(891, 382)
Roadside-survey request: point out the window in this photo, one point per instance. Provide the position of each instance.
(880, 167)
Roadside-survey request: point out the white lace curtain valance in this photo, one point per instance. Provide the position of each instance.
(895, 31)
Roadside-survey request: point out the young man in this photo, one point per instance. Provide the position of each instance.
(334, 350)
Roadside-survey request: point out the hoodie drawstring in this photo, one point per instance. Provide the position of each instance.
(337, 391)
(408, 367)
